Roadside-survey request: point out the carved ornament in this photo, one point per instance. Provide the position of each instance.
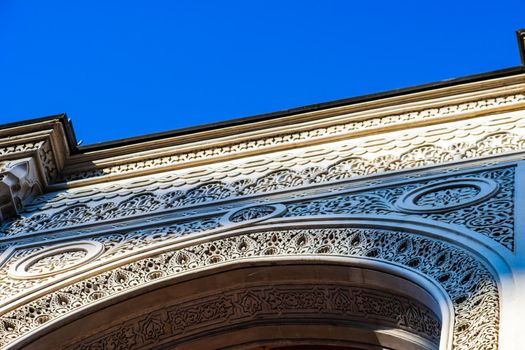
(470, 286)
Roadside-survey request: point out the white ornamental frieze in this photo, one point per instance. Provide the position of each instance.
(478, 192)
(56, 259)
(73, 267)
(469, 284)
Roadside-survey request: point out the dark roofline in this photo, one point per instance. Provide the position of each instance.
(304, 109)
(62, 118)
(75, 149)
(520, 35)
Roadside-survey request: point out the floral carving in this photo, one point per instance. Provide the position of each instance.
(467, 281)
(493, 217)
(207, 311)
(496, 144)
(446, 197)
(276, 181)
(266, 305)
(203, 193)
(54, 259)
(424, 155)
(252, 213)
(56, 262)
(151, 329)
(122, 339)
(316, 133)
(135, 205)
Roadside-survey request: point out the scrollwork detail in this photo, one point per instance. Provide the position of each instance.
(447, 195)
(467, 281)
(266, 305)
(55, 259)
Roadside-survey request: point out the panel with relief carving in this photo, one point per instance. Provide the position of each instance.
(339, 129)
(56, 259)
(266, 305)
(468, 283)
(447, 195)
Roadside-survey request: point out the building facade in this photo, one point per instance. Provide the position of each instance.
(390, 221)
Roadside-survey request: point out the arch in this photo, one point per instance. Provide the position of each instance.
(471, 288)
(287, 302)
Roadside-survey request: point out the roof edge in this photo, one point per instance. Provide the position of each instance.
(303, 109)
(75, 149)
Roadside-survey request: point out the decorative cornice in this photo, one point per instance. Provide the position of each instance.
(463, 276)
(453, 142)
(32, 156)
(51, 139)
(334, 126)
(282, 303)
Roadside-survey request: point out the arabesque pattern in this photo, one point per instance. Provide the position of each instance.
(494, 217)
(267, 305)
(338, 129)
(235, 179)
(467, 281)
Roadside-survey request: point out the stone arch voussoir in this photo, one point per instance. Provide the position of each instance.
(465, 278)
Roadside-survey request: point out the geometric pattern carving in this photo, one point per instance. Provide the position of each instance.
(266, 305)
(447, 195)
(470, 286)
(493, 217)
(346, 168)
(492, 146)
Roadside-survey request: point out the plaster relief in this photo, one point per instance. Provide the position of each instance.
(469, 285)
(56, 259)
(447, 195)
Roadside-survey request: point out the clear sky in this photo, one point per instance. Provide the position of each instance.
(127, 68)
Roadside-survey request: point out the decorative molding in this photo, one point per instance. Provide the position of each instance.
(493, 217)
(467, 281)
(268, 305)
(56, 259)
(327, 165)
(293, 138)
(447, 195)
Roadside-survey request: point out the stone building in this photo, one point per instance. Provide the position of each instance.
(388, 221)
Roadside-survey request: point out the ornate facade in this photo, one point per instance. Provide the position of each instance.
(389, 221)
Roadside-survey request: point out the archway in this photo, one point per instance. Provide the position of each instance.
(434, 257)
(263, 305)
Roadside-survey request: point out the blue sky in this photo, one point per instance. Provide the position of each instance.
(127, 68)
